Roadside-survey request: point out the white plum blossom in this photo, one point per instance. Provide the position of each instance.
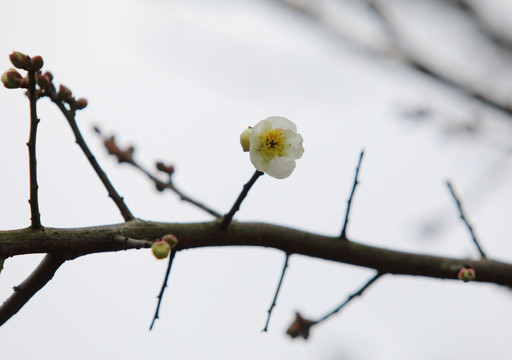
(273, 145)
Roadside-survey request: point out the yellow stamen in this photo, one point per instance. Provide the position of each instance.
(273, 143)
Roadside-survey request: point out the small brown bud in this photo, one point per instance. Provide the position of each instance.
(42, 81)
(122, 155)
(160, 186)
(37, 63)
(12, 79)
(65, 94)
(300, 327)
(49, 75)
(20, 60)
(81, 103)
(170, 239)
(169, 169)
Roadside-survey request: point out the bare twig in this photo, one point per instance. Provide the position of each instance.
(34, 199)
(285, 266)
(70, 117)
(170, 185)
(350, 298)
(226, 220)
(164, 285)
(464, 219)
(32, 284)
(349, 201)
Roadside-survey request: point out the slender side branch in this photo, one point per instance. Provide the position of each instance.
(70, 116)
(285, 266)
(349, 201)
(170, 185)
(350, 298)
(164, 285)
(34, 199)
(32, 284)
(464, 219)
(226, 220)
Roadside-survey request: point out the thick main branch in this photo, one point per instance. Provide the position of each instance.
(82, 241)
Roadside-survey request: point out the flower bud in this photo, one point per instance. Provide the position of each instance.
(49, 76)
(161, 249)
(37, 63)
(300, 327)
(169, 169)
(42, 81)
(170, 239)
(12, 79)
(245, 139)
(65, 94)
(20, 60)
(466, 274)
(81, 103)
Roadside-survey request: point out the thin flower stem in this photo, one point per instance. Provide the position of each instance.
(350, 298)
(349, 201)
(464, 219)
(162, 290)
(285, 266)
(226, 220)
(34, 198)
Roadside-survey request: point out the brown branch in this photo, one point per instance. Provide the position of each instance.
(226, 220)
(349, 298)
(81, 241)
(170, 185)
(349, 201)
(464, 219)
(70, 117)
(32, 284)
(285, 266)
(34, 199)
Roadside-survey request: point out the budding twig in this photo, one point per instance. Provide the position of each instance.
(226, 220)
(170, 185)
(164, 285)
(34, 198)
(464, 219)
(126, 156)
(350, 298)
(285, 266)
(349, 201)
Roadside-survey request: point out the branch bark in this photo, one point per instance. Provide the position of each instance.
(70, 243)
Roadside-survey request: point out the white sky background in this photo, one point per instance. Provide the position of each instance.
(180, 80)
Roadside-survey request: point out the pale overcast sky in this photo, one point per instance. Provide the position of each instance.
(180, 80)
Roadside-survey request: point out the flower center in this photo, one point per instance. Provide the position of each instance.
(273, 143)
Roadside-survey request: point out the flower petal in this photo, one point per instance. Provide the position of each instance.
(280, 167)
(279, 122)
